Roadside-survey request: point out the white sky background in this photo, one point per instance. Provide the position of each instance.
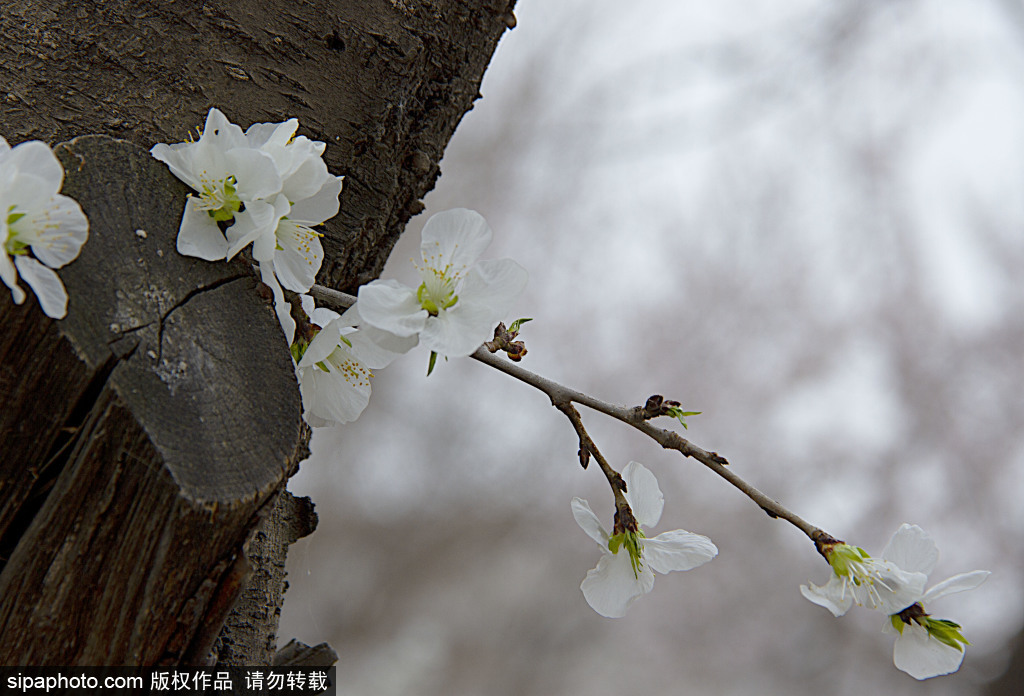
(805, 222)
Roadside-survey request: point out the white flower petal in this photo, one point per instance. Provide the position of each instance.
(454, 238)
(612, 586)
(35, 159)
(458, 331)
(9, 274)
(321, 206)
(199, 235)
(281, 307)
(912, 550)
(957, 583)
(399, 345)
(893, 591)
(180, 159)
(369, 352)
(833, 595)
(322, 316)
(589, 523)
(46, 285)
(256, 225)
(307, 178)
(219, 128)
(331, 397)
(201, 162)
(56, 231)
(643, 494)
(255, 173)
(298, 257)
(322, 345)
(273, 134)
(309, 307)
(677, 550)
(392, 307)
(495, 284)
(922, 656)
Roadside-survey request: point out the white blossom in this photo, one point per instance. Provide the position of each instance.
(227, 173)
(334, 370)
(624, 572)
(926, 647)
(460, 299)
(35, 218)
(858, 578)
(273, 188)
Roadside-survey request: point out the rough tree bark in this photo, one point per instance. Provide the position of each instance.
(142, 454)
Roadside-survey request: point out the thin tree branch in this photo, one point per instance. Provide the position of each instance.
(563, 397)
(587, 447)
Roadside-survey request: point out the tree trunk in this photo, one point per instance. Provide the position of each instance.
(383, 82)
(148, 434)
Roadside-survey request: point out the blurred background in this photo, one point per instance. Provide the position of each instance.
(806, 220)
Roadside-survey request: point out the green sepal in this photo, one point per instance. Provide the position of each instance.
(631, 542)
(433, 361)
(14, 217)
(842, 556)
(298, 349)
(680, 415)
(518, 323)
(16, 247)
(897, 623)
(946, 632)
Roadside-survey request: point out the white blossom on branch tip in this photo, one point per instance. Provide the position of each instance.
(36, 219)
(625, 571)
(894, 584)
(858, 578)
(460, 299)
(925, 646)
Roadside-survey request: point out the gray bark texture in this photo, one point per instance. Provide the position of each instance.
(147, 438)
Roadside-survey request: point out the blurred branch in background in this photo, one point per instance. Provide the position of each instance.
(806, 223)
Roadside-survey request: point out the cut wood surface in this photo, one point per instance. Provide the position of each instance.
(183, 419)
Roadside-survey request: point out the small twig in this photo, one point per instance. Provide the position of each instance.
(563, 397)
(340, 300)
(666, 438)
(588, 447)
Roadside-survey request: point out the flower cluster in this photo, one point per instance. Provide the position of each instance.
(266, 187)
(35, 218)
(465, 299)
(269, 188)
(894, 584)
(625, 571)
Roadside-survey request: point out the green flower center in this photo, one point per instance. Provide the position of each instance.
(849, 562)
(220, 198)
(437, 291)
